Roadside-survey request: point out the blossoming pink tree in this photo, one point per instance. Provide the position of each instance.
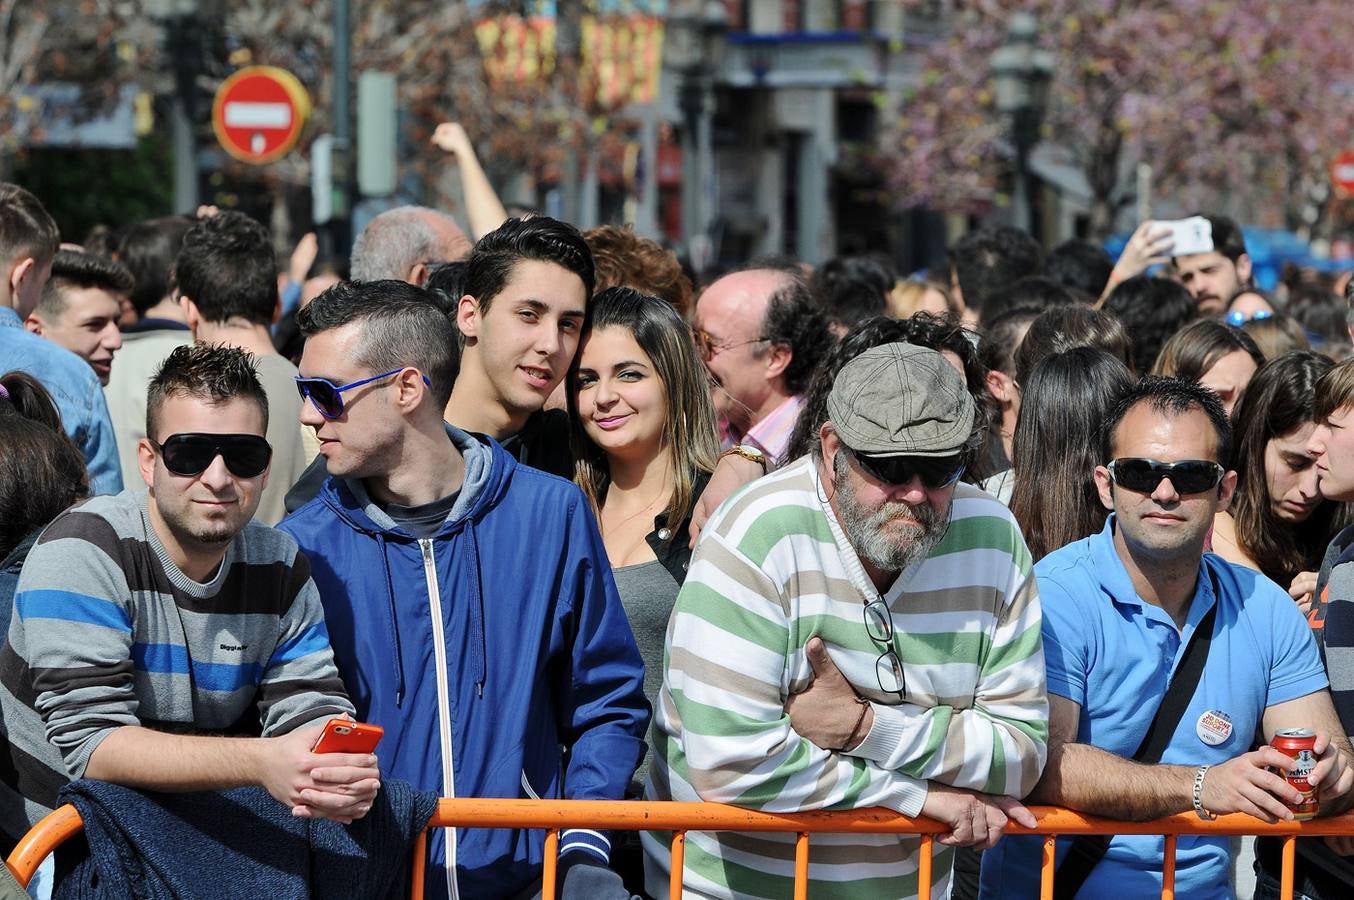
(1245, 101)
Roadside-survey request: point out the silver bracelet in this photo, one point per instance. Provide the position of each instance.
(1199, 794)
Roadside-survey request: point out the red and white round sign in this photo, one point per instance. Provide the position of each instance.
(259, 112)
(1342, 173)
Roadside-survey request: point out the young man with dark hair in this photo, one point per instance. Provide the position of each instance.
(1081, 266)
(148, 250)
(526, 291)
(470, 603)
(153, 627)
(987, 259)
(1122, 610)
(1152, 309)
(28, 245)
(80, 306)
(227, 288)
(1214, 277)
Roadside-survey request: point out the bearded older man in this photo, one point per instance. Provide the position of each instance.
(858, 629)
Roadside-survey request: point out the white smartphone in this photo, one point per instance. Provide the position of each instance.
(1189, 236)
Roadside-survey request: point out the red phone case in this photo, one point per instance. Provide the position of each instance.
(342, 736)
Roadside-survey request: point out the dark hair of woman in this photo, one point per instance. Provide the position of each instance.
(1198, 346)
(1057, 446)
(41, 470)
(1064, 327)
(1280, 399)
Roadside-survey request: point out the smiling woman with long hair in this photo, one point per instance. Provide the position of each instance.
(644, 441)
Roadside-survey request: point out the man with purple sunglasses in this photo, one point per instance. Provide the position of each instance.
(468, 597)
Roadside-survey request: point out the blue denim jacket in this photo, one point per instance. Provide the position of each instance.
(77, 393)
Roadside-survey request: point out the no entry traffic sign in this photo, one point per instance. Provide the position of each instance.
(259, 112)
(1342, 173)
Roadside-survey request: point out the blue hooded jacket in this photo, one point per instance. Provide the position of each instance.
(495, 654)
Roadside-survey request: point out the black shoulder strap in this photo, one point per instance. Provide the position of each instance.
(1088, 849)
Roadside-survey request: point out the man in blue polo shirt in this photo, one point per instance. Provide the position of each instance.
(1119, 609)
(28, 242)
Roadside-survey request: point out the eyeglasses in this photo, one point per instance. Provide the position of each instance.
(1238, 318)
(708, 349)
(189, 453)
(888, 667)
(328, 397)
(1189, 476)
(935, 473)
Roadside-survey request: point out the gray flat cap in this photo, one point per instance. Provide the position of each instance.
(901, 400)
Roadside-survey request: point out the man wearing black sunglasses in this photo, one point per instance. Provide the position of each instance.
(857, 629)
(1164, 662)
(154, 626)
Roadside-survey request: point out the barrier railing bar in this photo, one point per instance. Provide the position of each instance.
(57, 826)
(643, 815)
(65, 822)
(1286, 869)
(551, 852)
(924, 867)
(419, 870)
(1168, 868)
(802, 866)
(678, 862)
(1047, 866)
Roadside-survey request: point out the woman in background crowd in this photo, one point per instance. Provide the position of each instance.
(41, 474)
(1057, 439)
(1277, 335)
(1218, 356)
(1064, 327)
(1278, 522)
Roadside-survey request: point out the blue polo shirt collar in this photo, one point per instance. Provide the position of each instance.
(1115, 582)
(9, 318)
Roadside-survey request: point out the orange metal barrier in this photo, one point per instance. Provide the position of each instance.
(56, 827)
(679, 818)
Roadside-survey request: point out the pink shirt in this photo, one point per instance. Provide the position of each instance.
(771, 435)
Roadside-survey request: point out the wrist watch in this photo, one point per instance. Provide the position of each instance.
(748, 452)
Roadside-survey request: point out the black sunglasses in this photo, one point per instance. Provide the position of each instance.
(935, 473)
(246, 455)
(328, 397)
(1189, 476)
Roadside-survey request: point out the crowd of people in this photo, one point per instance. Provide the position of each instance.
(568, 522)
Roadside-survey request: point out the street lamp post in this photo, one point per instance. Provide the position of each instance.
(1021, 74)
(695, 48)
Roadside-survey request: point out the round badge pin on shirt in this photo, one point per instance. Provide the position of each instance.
(1214, 727)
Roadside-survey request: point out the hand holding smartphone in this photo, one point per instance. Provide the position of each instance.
(1189, 236)
(344, 736)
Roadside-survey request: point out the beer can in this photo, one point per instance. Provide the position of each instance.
(1299, 743)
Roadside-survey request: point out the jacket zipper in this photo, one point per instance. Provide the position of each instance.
(443, 703)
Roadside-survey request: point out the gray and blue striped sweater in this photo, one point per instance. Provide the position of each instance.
(107, 631)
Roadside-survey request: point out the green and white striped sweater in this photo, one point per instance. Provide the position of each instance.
(773, 569)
